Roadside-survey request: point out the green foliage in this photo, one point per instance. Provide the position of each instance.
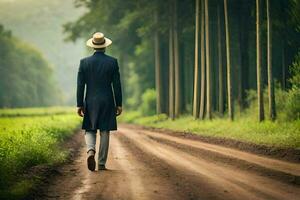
(130, 25)
(134, 91)
(295, 13)
(292, 101)
(292, 104)
(40, 24)
(129, 117)
(29, 141)
(287, 103)
(295, 71)
(148, 106)
(25, 76)
(153, 119)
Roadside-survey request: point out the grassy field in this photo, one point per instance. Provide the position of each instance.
(36, 111)
(30, 137)
(247, 129)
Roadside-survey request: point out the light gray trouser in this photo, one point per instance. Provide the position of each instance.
(90, 140)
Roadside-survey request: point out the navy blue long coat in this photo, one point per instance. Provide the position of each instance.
(100, 74)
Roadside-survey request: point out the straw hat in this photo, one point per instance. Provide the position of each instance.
(98, 41)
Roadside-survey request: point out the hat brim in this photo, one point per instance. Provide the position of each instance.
(90, 43)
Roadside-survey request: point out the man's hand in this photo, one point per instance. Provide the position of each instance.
(80, 111)
(118, 110)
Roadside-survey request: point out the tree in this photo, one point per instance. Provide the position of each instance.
(229, 81)
(220, 64)
(158, 83)
(208, 67)
(258, 65)
(272, 109)
(203, 70)
(196, 66)
(171, 65)
(177, 103)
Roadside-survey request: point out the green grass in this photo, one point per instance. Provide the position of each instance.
(36, 111)
(247, 129)
(29, 140)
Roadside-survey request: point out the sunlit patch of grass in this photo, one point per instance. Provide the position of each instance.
(27, 141)
(247, 129)
(129, 116)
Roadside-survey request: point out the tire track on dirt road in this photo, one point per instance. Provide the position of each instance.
(278, 165)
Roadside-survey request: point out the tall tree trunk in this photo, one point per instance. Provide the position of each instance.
(203, 72)
(258, 65)
(208, 67)
(171, 66)
(176, 62)
(272, 108)
(229, 81)
(220, 63)
(158, 83)
(196, 69)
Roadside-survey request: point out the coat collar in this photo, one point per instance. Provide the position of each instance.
(99, 52)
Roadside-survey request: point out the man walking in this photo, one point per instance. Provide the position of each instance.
(99, 76)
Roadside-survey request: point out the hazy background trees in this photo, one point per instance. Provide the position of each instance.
(40, 23)
(26, 79)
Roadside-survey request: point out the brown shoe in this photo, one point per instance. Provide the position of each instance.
(91, 160)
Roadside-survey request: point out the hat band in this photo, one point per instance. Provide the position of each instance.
(96, 43)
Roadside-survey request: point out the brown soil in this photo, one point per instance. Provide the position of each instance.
(287, 154)
(147, 164)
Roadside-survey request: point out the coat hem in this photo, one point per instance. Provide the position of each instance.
(114, 129)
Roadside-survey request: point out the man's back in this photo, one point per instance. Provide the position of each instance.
(100, 74)
(98, 71)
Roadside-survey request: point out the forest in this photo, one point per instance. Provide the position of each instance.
(202, 58)
(39, 24)
(26, 78)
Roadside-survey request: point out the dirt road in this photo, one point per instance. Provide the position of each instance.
(150, 165)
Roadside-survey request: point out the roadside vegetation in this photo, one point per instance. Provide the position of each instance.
(27, 141)
(247, 129)
(283, 132)
(35, 111)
